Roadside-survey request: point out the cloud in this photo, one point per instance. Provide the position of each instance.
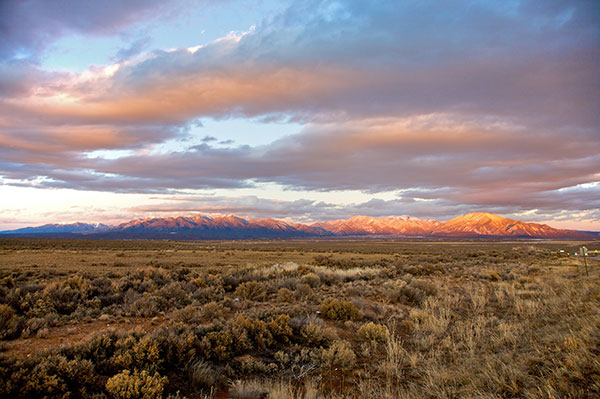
(490, 106)
(29, 27)
(430, 157)
(399, 59)
(134, 49)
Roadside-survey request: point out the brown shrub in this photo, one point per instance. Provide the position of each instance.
(336, 310)
(139, 385)
(9, 322)
(251, 290)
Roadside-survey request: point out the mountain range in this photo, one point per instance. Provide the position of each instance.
(197, 227)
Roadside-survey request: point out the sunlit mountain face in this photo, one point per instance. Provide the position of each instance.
(308, 113)
(472, 225)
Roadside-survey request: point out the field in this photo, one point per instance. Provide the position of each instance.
(298, 319)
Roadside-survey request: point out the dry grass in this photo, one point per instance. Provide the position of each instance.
(301, 320)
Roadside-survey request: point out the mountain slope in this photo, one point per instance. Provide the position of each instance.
(75, 228)
(365, 225)
(490, 225)
(213, 227)
(475, 224)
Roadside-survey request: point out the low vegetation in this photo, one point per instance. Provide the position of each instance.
(297, 320)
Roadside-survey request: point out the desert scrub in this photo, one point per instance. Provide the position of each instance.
(336, 310)
(51, 376)
(139, 385)
(243, 335)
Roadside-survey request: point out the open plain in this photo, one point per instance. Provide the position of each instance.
(298, 319)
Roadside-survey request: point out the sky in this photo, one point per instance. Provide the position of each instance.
(299, 110)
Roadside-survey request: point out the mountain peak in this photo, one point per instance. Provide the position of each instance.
(229, 226)
(481, 216)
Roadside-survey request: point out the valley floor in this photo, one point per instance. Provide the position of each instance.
(298, 319)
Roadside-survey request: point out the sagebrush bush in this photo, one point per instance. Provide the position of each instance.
(316, 335)
(9, 322)
(285, 295)
(311, 279)
(251, 290)
(202, 374)
(374, 332)
(52, 376)
(413, 293)
(212, 311)
(136, 385)
(337, 310)
(339, 355)
(190, 314)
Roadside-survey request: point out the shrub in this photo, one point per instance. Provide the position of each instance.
(414, 293)
(303, 291)
(251, 290)
(280, 328)
(218, 345)
(314, 334)
(339, 355)
(311, 279)
(248, 390)
(139, 385)
(190, 315)
(148, 306)
(9, 322)
(212, 311)
(250, 334)
(202, 374)
(67, 295)
(336, 310)
(52, 376)
(374, 332)
(285, 295)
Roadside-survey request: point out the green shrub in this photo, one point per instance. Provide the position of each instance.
(336, 310)
(139, 385)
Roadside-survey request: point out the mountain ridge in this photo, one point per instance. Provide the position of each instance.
(202, 226)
